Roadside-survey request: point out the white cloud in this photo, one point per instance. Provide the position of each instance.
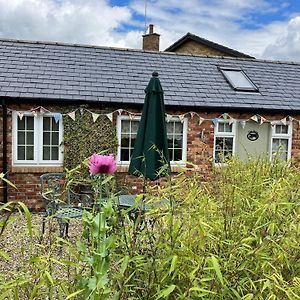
(78, 21)
(97, 22)
(287, 45)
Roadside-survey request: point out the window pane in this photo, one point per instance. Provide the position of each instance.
(134, 126)
(21, 152)
(21, 123)
(21, 138)
(178, 127)
(281, 129)
(30, 138)
(46, 123)
(170, 142)
(170, 128)
(29, 153)
(125, 126)
(46, 153)
(178, 141)
(54, 153)
(46, 138)
(239, 80)
(125, 154)
(221, 127)
(55, 126)
(228, 127)
(177, 154)
(280, 145)
(30, 123)
(125, 140)
(55, 138)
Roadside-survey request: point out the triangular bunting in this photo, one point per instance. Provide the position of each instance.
(283, 121)
(20, 115)
(181, 118)
(110, 116)
(201, 120)
(225, 116)
(120, 111)
(81, 111)
(254, 118)
(215, 121)
(95, 116)
(192, 114)
(262, 120)
(168, 118)
(57, 117)
(72, 115)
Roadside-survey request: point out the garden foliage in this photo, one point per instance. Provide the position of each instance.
(234, 237)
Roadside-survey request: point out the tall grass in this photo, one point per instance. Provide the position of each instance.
(234, 237)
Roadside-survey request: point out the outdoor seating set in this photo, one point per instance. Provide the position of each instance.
(63, 204)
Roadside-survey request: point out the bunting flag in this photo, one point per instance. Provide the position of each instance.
(284, 121)
(42, 111)
(72, 115)
(254, 118)
(57, 117)
(95, 116)
(201, 120)
(110, 116)
(168, 118)
(215, 121)
(181, 118)
(273, 124)
(225, 116)
(20, 115)
(262, 120)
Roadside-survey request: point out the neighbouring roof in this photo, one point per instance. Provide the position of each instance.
(50, 71)
(191, 37)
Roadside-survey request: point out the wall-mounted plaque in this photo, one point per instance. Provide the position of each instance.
(252, 135)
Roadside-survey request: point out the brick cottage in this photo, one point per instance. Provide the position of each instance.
(216, 106)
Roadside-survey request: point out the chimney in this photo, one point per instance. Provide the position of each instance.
(151, 40)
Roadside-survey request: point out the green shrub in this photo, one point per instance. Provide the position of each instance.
(236, 237)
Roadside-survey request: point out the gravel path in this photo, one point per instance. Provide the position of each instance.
(16, 242)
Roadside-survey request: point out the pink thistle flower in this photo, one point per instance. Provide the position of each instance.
(102, 164)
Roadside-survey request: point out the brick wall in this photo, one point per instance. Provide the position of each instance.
(200, 140)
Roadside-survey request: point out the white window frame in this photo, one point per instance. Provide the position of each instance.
(287, 136)
(172, 163)
(38, 141)
(217, 134)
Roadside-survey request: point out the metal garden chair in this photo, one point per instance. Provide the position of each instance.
(61, 202)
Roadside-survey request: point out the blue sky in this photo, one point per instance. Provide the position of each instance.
(262, 28)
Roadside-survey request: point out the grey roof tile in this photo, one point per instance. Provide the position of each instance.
(71, 72)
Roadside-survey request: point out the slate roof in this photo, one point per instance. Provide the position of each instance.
(189, 36)
(49, 71)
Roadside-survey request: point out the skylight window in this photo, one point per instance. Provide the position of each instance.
(239, 80)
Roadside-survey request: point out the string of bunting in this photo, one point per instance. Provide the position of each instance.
(225, 116)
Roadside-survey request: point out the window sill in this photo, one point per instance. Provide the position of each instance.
(37, 169)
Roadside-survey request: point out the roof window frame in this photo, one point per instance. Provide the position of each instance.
(252, 89)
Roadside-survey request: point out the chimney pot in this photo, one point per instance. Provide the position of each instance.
(151, 28)
(151, 40)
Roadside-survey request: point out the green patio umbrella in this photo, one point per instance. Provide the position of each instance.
(150, 155)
